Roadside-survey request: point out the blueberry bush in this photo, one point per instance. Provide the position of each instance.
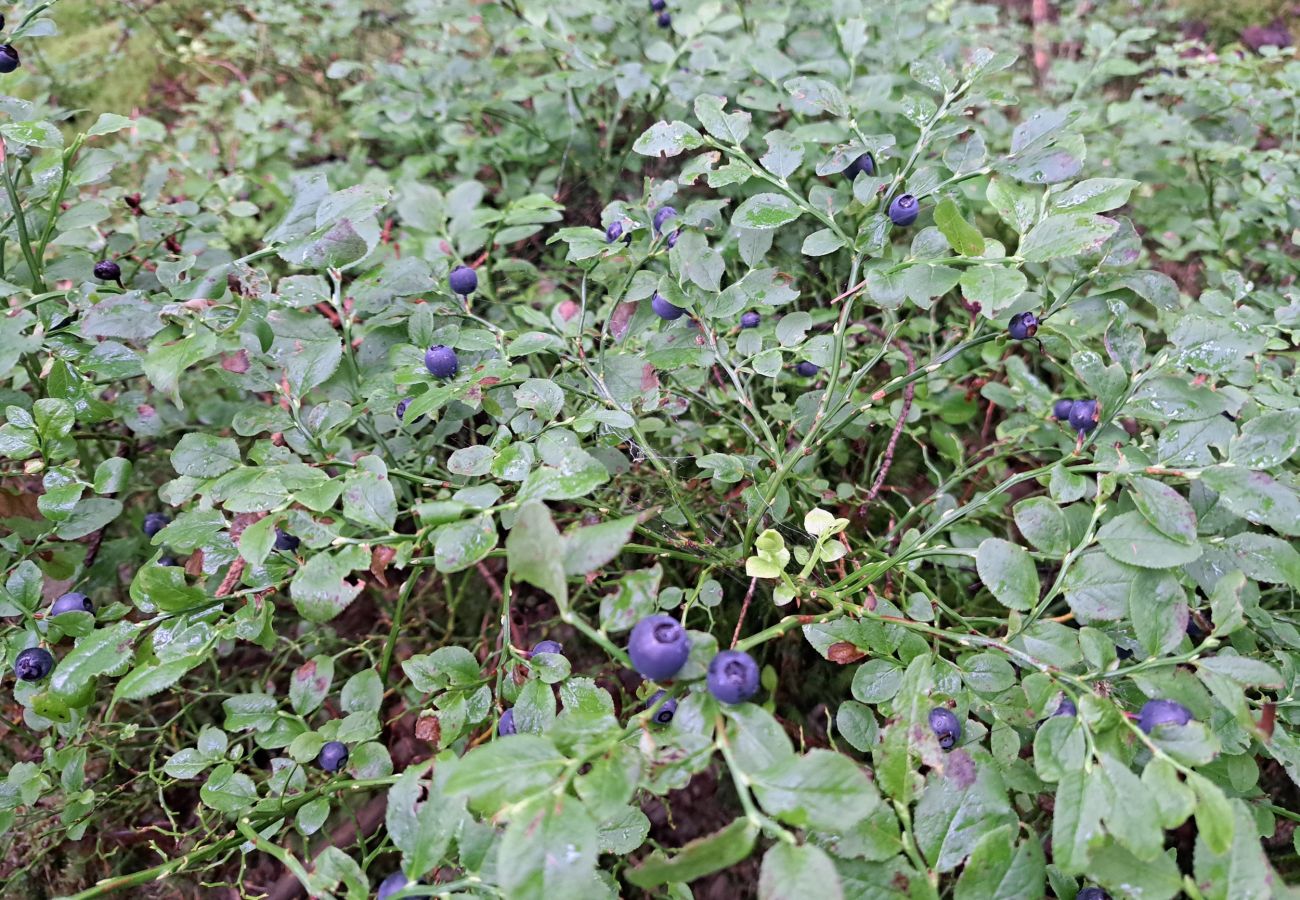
(650, 449)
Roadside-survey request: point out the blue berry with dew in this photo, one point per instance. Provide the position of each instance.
(547, 647)
(1156, 713)
(155, 522)
(946, 727)
(441, 361)
(285, 541)
(658, 647)
(904, 209)
(463, 281)
(1023, 326)
(664, 213)
(750, 319)
(333, 756)
(733, 677)
(866, 164)
(665, 310)
(807, 369)
(33, 664)
(72, 602)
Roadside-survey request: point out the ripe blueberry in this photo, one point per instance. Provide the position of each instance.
(658, 5)
(866, 164)
(107, 270)
(1092, 893)
(1061, 409)
(154, 523)
(72, 602)
(441, 362)
(665, 20)
(904, 209)
(750, 320)
(1162, 712)
(666, 712)
(1066, 707)
(807, 369)
(166, 560)
(665, 310)
(945, 726)
(658, 647)
(664, 213)
(733, 676)
(8, 58)
(613, 232)
(1023, 326)
(672, 238)
(463, 280)
(1083, 416)
(391, 885)
(33, 664)
(507, 724)
(547, 647)
(285, 541)
(401, 407)
(333, 756)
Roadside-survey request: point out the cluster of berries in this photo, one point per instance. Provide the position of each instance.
(661, 7)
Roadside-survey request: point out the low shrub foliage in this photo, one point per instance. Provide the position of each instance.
(627, 449)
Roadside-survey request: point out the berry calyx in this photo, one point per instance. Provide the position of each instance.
(72, 602)
(441, 361)
(33, 664)
(1023, 326)
(658, 647)
(1156, 713)
(946, 727)
(733, 676)
(904, 209)
(665, 310)
(333, 756)
(463, 281)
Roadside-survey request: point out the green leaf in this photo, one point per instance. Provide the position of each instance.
(321, 589)
(1129, 538)
(1066, 235)
(730, 128)
(823, 791)
(790, 870)
(205, 456)
(667, 139)
(103, 650)
(994, 288)
(1095, 195)
(535, 552)
(421, 819)
(147, 680)
(310, 684)
(957, 807)
(964, 237)
(1266, 441)
(763, 212)
(1118, 870)
(1243, 869)
(228, 791)
(459, 545)
(698, 858)
(1165, 508)
(552, 852)
(368, 497)
(1008, 571)
(505, 771)
(88, 516)
(1257, 497)
(998, 870)
(1081, 801)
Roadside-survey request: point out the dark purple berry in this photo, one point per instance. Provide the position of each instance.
(1092, 893)
(548, 647)
(1083, 415)
(807, 369)
(866, 164)
(672, 238)
(33, 664)
(507, 724)
(750, 320)
(658, 5)
(463, 280)
(1061, 409)
(155, 522)
(391, 885)
(166, 560)
(613, 232)
(72, 602)
(1066, 707)
(904, 209)
(664, 213)
(107, 270)
(441, 362)
(944, 724)
(8, 58)
(333, 756)
(664, 715)
(1023, 326)
(658, 647)
(1162, 712)
(285, 541)
(733, 676)
(665, 310)
(665, 20)
(401, 407)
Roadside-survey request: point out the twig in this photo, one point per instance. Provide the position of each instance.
(744, 609)
(888, 459)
